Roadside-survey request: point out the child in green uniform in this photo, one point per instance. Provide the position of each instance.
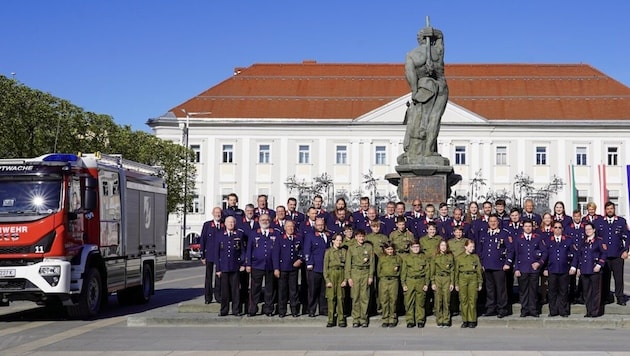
(468, 279)
(414, 277)
(359, 274)
(401, 238)
(377, 240)
(334, 263)
(456, 245)
(442, 278)
(389, 266)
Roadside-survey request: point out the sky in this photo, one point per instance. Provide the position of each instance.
(135, 60)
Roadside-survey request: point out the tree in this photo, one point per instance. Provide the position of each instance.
(34, 123)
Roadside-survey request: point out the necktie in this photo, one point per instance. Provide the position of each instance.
(557, 240)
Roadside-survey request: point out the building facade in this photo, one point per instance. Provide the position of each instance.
(564, 128)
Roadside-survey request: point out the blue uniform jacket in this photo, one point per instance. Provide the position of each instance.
(614, 232)
(258, 212)
(230, 251)
(389, 224)
(575, 231)
(447, 229)
(359, 221)
(495, 249)
(536, 218)
(561, 256)
(528, 252)
(287, 250)
(596, 219)
(297, 217)
(514, 229)
(334, 226)
(279, 225)
(208, 239)
(591, 254)
(314, 248)
(233, 211)
(478, 227)
(248, 226)
(260, 250)
(565, 220)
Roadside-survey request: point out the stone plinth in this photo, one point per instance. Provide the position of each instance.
(429, 183)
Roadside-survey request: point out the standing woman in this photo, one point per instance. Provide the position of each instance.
(389, 266)
(468, 282)
(472, 213)
(560, 214)
(592, 256)
(442, 278)
(546, 226)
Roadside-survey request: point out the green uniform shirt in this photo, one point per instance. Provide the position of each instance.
(429, 244)
(377, 241)
(457, 246)
(468, 264)
(415, 266)
(389, 266)
(348, 242)
(443, 265)
(401, 240)
(334, 260)
(359, 258)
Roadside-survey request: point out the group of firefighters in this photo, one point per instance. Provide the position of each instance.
(413, 263)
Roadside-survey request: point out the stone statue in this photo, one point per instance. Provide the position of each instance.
(424, 69)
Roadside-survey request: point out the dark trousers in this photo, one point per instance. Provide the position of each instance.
(316, 293)
(303, 289)
(256, 289)
(528, 293)
(558, 294)
(212, 285)
(244, 291)
(614, 268)
(592, 292)
(288, 292)
(496, 292)
(230, 292)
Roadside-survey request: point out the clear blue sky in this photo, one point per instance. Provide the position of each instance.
(134, 60)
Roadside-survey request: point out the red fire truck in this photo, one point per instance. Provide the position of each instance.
(76, 228)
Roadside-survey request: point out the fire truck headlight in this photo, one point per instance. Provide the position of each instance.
(51, 274)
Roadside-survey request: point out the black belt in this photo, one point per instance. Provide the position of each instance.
(337, 268)
(443, 274)
(415, 277)
(360, 267)
(469, 272)
(390, 278)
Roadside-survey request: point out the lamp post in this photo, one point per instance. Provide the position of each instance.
(185, 144)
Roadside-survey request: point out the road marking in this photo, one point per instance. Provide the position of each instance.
(178, 280)
(20, 328)
(37, 344)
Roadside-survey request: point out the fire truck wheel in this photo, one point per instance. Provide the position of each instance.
(144, 292)
(90, 298)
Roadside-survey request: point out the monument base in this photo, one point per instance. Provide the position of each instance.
(429, 183)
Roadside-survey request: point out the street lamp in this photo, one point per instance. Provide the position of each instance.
(185, 144)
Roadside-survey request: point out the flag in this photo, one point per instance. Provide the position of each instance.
(603, 189)
(627, 186)
(574, 198)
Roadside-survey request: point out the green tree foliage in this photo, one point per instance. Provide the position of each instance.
(33, 123)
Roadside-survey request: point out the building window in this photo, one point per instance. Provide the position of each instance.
(501, 155)
(228, 153)
(264, 151)
(580, 156)
(197, 150)
(613, 155)
(304, 154)
(197, 205)
(460, 155)
(381, 155)
(541, 155)
(582, 201)
(342, 154)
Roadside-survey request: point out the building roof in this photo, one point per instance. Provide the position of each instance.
(311, 90)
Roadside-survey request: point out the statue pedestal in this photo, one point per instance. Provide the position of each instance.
(429, 183)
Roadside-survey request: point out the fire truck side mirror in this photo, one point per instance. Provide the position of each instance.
(89, 200)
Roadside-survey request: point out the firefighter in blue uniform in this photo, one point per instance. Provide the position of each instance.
(287, 260)
(614, 232)
(229, 258)
(209, 235)
(592, 255)
(530, 254)
(294, 214)
(259, 264)
(496, 255)
(232, 208)
(315, 245)
(561, 264)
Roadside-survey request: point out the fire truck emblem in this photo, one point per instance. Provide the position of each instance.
(147, 212)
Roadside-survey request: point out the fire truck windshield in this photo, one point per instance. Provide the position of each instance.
(29, 196)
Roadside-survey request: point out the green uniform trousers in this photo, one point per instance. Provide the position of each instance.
(388, 295)
(360, 295)
(414, 301)
(335, 296)
(442, 299)
(468, 291)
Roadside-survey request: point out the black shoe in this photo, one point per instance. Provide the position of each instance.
(501, 315)
(385, 325)
(410, 325)
(342, 325)
(330, 325)
(621, 302)
(587, 315)
(281, 316)
(472, 324)
(222, 314)
(455, 313)
(551, 315)
(208, 302)
(564, 315)
(464, 325)
(365, 325)
(522, 315)
(311, 315)
(421, 325)
(355, 325)
(268, 314)
(489, 314)
(251, 314)
(535, 315)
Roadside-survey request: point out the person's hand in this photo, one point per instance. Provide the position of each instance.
(572, 271)
(479, 289)
(425, 288)
(597, 268)
(405, 288)
(248, 269)
(457, 288)
(218, 274)
(309, 267)
(433, 286)
(624, 255)
(370, 280)
(343, 284)
(578, 273)
(517, 274)
(329, 285)
(506, 267)
(535, 266)
(276, 273)
(241, 269)
(297, 263)
(203, 261)
(546, 273)
(450, 288)
(351, 283)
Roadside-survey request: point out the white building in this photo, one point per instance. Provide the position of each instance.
(270, 122)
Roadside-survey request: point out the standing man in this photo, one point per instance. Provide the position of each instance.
(359, 271)
(287, 260)
(318, 202)
(530, 254)
(529, 213)
(314, 249)
(423, 224)
(562, 262)
(280, 220)
(336, 225)
(504, 217)
(229, 258)
(209, 234)
(480, 225)
(457, 221)
(496, 254)
(359, 217)
(232, 207)
(263, 207)
(293, 214)
(443, 219)
(308, 226)
(614, 232)
(389, 219)
(259, 264)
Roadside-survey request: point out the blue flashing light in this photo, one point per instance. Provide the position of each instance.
(61, 157)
